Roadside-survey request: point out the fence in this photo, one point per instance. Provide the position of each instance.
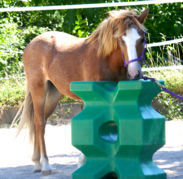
(86, 6)
(102, 5)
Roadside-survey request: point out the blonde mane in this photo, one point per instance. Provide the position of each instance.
(108, 32)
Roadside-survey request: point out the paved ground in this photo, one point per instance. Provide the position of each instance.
(15, 154)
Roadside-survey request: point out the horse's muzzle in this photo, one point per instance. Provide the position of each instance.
(136, 77)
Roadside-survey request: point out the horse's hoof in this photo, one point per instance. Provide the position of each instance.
(37, 170)
(37, 167)
(46, 172)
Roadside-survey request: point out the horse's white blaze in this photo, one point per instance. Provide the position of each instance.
(45, 164)
(130, 39)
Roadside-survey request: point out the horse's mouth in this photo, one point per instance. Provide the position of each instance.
(136, 77)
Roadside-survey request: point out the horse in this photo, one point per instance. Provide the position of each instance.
(54, 59)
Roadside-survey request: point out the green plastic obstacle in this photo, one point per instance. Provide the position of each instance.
(118, 131)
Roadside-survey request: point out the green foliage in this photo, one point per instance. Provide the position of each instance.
(165, 56)
(81, 29)
(66, 99)
(10, 44)
(12, 91)
(167, 105)
(165, 21)
(32, 32)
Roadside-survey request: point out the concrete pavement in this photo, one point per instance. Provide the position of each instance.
(15, 153)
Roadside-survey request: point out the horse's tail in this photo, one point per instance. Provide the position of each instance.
(26, 115)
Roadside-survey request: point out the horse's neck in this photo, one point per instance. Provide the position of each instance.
(105, 68)
(115, 59)
(116, 65)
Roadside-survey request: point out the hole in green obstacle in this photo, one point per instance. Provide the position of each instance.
(109, 132)
(111, 175)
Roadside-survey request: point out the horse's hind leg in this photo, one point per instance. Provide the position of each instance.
(38, 90)
(46, 99)
(52, 98)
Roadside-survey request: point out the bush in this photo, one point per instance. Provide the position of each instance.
(170, 107)
(12, 91)
(11, 43)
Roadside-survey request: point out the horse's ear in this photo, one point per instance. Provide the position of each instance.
(143, 16)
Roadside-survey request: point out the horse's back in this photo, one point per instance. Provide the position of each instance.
(52, 39)
(43, 48)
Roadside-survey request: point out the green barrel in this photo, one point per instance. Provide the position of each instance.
(118, 131)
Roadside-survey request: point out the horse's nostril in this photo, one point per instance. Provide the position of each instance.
(128, 75)
(138, 76)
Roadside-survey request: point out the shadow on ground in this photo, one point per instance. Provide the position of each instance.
(170, 159)
(26, 172)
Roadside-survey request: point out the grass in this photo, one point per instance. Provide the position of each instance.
(165, 55)
(168, 55)
(12, 93)
(173, 79)
(164, 103)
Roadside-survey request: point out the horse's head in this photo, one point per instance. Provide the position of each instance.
(125, 29)
(130, 32)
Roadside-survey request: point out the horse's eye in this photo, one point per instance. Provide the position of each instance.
(122, 41)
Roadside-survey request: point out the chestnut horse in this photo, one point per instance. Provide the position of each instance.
(54, 59)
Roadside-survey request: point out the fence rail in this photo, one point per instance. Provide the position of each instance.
(86, 6)
(158, 44)
(174, 67)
